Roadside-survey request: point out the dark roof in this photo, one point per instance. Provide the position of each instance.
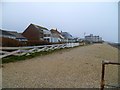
(67, 35)
(39, 27)
(16, 34)
(3, 32)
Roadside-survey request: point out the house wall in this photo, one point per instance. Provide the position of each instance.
(32, 33)
(55, 40)
(7, 36)
(21, 39)
(93, 38)
(56, 36)
(47, 35)
(47, 39)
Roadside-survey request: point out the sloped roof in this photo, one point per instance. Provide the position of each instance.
(39, 27)
(16, 34)
(67, 35)
(56, 33)
(3, 32)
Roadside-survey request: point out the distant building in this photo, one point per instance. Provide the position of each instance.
(78, 39)
(68, 37)
(18, 36)
(34, 32)
(56, 36)
(93, 39)
(6, 34)
(12, 35)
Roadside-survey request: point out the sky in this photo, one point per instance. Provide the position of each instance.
(77, 18)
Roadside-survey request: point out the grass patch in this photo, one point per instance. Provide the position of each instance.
(32, 55)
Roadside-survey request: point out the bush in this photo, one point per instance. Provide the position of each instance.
(8, 42)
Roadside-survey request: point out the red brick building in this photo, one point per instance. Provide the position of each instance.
(34, 32)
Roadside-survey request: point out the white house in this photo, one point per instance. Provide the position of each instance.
(56, 36)
(93, 39)
(68, 37)
(47, 35)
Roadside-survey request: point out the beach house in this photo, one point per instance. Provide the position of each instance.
(18, 36)
(34, 32)
(67, 37)
(56, 36)
(6, 34)
(12, 38)
(93, 39)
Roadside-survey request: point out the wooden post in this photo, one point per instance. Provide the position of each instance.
(103, 72)
(102, 77)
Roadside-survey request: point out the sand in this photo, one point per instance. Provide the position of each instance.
(78, 67)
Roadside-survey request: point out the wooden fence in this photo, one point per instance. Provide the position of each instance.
(7, 51)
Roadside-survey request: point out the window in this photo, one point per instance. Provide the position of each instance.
(46, 35)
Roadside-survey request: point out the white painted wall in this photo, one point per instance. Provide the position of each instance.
(55, 40)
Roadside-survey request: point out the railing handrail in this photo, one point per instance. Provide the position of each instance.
(27, 47)
(32, 49)
(103, 72)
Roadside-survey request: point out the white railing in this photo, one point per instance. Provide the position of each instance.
(5, 51)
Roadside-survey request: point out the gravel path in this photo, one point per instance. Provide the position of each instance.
(73, 68)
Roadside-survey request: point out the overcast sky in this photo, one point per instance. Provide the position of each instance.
(77, 18)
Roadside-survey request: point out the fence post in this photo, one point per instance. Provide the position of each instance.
(103, 72)
(102, 77)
